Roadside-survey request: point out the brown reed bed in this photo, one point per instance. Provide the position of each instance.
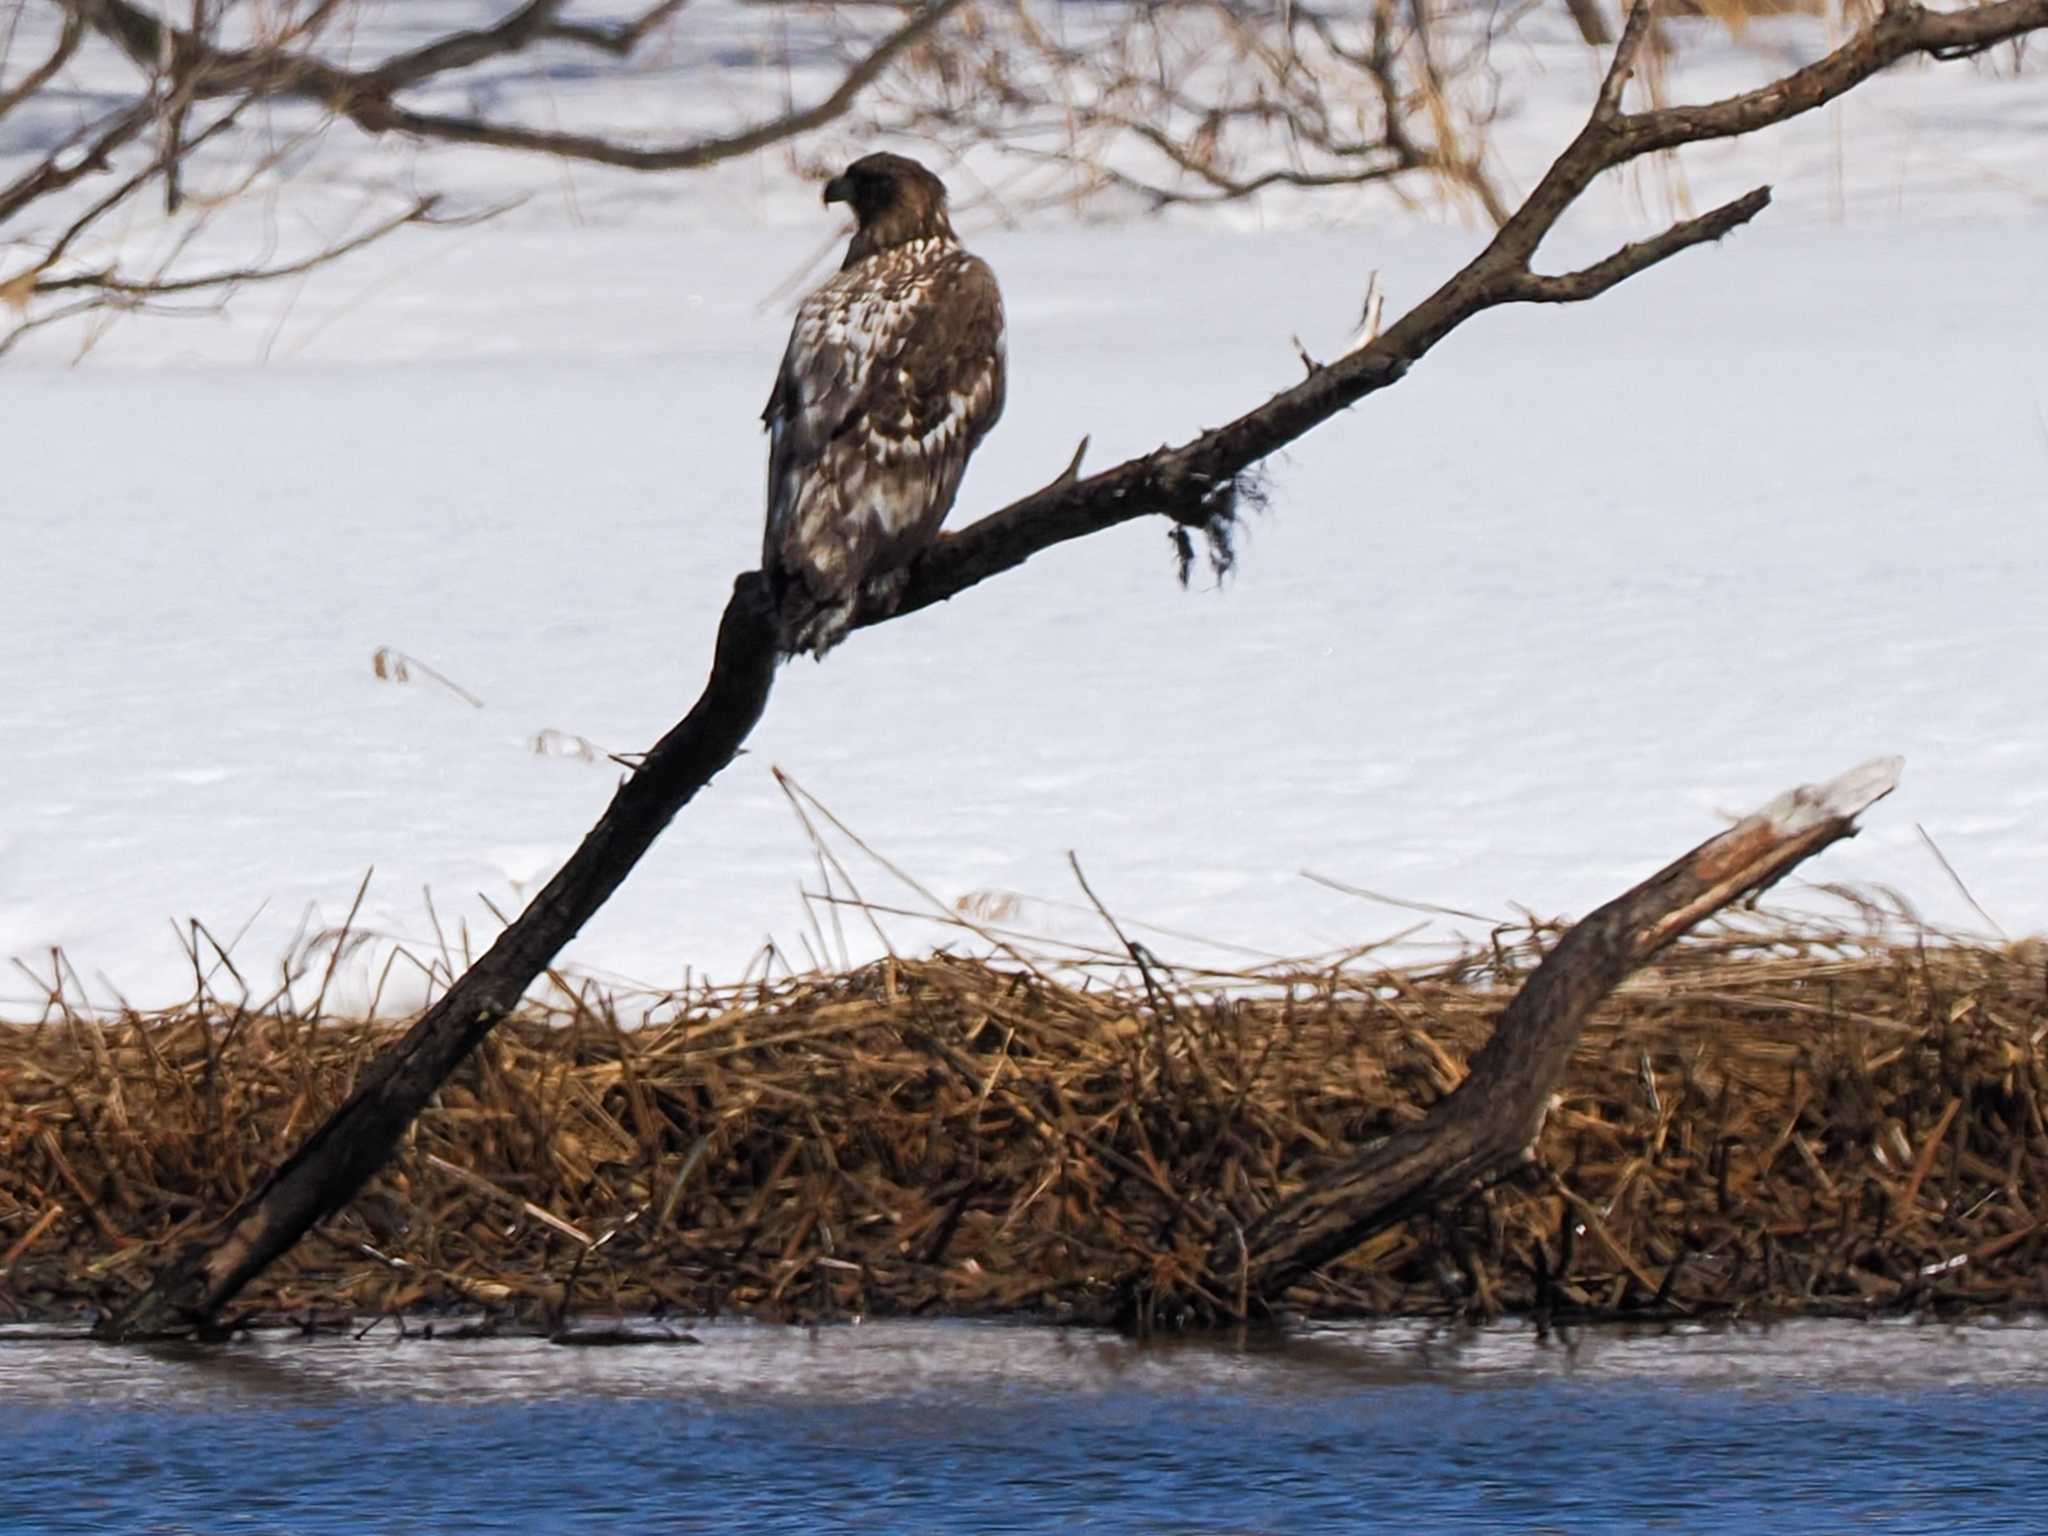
(1778, 1121)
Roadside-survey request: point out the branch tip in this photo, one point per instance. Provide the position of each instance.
(1634, 33)
(1591, 282)
(1838, 799)
(1369, 316)
(1072, 472)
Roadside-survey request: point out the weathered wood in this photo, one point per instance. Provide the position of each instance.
(1496, 1112)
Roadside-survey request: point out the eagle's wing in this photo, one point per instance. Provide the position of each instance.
(890, 380)
(832, 348)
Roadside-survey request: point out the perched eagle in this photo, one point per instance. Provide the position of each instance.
(893, 375)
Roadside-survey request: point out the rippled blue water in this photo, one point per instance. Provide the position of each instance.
(948, 1428)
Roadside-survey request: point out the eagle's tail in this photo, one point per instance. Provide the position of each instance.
(807, 622)
(817, 630)
(810, 624)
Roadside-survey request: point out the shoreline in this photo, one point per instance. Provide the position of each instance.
(1766, 1124)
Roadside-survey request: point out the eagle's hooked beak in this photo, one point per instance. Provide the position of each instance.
(839, 190)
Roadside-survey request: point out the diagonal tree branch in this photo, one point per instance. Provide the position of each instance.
(1900, 31)
(1194, 484)
(105, 284)
(620, 38)
(327, 1169)
(60, 55)
(68, 164)
(599, 150)
(1591, 282)
(111, 281)
(59, 247)
(518, 31)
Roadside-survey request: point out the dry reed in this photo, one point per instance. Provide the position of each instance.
(1787, 1121)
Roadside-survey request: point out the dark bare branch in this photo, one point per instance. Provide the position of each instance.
(519, 30)
(11, 339)
(67, 44)
(186, 67)
(1222, 101)
(1591, 282)
(600, 150)
(69, 164)
(365, 96)
(1221, 188)
(335, 1161)
(1900, 31)
(1635, 32)
(421, 212)
(168, 156)
(619, 39)
(991, 74)
(104, 285)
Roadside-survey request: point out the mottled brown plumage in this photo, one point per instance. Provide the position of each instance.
(893, 375)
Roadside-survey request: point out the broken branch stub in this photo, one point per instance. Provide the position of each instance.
(1496, 1112)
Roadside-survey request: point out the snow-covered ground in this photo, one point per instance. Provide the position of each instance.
(1513, 633)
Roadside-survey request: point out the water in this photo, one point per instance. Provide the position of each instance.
(940, 1427)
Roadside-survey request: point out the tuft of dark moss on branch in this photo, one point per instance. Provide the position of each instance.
(1216, 515)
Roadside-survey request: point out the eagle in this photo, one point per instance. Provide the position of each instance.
(893, 375)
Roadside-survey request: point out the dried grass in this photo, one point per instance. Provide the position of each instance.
(1785, 1121)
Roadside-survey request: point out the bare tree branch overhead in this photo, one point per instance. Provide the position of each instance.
(1198, 486)
(25, 88)
(192, 88)
(1203, 102)
(365, 96)
(1169, 101)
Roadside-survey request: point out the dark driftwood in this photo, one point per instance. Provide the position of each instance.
(1497, 1111)
(1194, 484)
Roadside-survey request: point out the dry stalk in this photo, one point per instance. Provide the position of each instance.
(1769, 1120)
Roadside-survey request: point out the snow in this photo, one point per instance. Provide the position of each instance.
(1590, 582)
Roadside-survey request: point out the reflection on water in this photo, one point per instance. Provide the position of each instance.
(953, 1427)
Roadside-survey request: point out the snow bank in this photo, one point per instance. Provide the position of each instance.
(1517, 631)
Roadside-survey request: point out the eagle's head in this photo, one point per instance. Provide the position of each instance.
(895, 200)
